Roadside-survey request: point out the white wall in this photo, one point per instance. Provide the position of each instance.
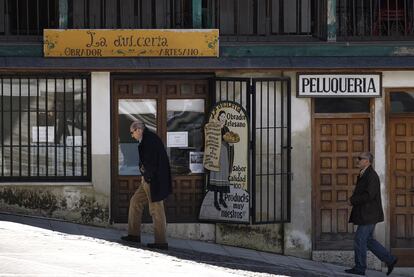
(298, 240)
(101, 131)
(397, 79)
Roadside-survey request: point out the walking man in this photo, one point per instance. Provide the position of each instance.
(366, 213)
(155, 186)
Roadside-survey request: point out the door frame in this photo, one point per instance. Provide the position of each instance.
(389, 211)
(128, 77)
(314, 117)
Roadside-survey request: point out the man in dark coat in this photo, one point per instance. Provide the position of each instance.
(366, 213)
(155, 186)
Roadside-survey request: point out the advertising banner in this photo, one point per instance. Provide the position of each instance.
(226, 159)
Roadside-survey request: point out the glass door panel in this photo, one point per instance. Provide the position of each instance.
(130, 110)
(185, 118)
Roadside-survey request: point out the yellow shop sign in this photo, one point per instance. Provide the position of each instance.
(131, 43)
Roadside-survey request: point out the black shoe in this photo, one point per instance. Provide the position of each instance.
(391, 266)
(216, 204)
(354, 271)
(131, 238)
(161, 246)
(223, 203)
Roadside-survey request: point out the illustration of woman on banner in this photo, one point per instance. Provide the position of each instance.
(219, 180)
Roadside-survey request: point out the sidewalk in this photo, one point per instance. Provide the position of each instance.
(202, 252)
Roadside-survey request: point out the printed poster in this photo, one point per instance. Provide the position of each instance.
(227, 197)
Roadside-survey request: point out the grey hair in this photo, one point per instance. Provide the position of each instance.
(138, 124)
(368, 155)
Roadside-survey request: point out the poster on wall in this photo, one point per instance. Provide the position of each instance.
(225, 159)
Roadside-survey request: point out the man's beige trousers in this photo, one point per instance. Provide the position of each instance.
(141, 197)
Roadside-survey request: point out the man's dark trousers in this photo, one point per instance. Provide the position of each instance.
(363, 239)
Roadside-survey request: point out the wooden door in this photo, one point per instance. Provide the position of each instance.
(337, 143)
(157, 102)
(401, 191)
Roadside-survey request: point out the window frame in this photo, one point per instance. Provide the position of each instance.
(85, 157)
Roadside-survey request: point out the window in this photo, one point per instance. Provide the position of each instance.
(185, 119)
(28, 17)
(342, 105)
(375, 18)
(402, 102)
(129, 110)
(44, 128)
(259, 18)
(130, 14)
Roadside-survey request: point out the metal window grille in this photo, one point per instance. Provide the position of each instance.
(28, 17)
(258, 19)
(44, 128)
(267, 102)
(150, 14)
(383, 19)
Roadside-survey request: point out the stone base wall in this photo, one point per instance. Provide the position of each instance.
(78, 204)
(345, 258)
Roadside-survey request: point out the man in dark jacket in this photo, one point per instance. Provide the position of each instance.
(366, 212)
(155, 186)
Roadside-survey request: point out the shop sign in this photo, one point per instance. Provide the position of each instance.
(131, 43)
(226, 158)
(339, 85)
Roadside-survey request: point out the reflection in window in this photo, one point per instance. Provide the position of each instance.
(44, 124)
(402, 102)
(130, 110)
(186, 115)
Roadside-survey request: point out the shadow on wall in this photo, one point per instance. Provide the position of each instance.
(86, 209)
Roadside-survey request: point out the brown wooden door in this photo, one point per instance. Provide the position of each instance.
(166, 106)
(337, 143)
(402, 188)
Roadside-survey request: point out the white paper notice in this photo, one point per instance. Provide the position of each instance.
(196, 162)
(74, 140)
(177, 139)
(46, 134)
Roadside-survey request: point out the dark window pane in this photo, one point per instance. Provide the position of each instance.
(402, 102)
(47, 141)
(342, 105)
(185, 118)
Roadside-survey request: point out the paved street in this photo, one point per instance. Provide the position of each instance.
(42, 247)
(33, 251)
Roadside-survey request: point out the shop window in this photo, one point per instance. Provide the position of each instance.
(342, 105)
(402, 102)
(44, 129)
(185, 118)
(129, 110)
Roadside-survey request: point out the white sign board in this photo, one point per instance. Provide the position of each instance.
(177, 139)
(339, 85)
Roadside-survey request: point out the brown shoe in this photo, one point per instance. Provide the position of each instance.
(161, 246)
(131, 238)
